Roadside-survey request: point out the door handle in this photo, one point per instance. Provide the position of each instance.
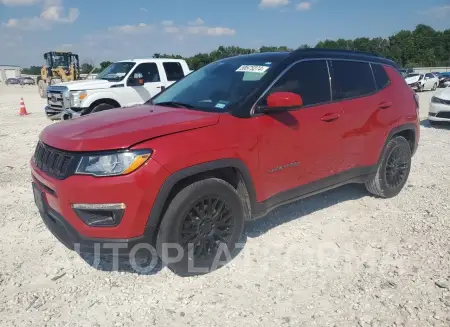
(330, 117)
(162, 87)
(385, 105)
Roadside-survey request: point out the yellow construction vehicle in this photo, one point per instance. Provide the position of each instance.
(59, 67)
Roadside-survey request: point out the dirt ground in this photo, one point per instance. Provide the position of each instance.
(343, 258)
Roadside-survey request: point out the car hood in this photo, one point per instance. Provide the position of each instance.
(412, 79)
(444, 94)
(123, 127)
(89, 84)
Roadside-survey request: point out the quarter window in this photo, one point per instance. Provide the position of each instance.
(309, 79)
(149, 72)
(174, 71)
(381, 78)
(350, 79)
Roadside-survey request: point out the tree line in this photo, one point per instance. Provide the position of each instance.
(421, 47)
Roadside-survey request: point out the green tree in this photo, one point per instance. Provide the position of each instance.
(86, 68)
(104, 64)
(422, 46)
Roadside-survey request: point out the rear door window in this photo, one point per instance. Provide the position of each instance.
(351, 79)
(174, 71)
(381, 78)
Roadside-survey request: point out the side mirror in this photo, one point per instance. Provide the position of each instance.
(284, 100)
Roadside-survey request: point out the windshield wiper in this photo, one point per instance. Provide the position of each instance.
(174, 104)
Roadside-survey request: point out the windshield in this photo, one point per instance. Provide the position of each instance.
(116, 71)
(217, 86)
(412, 75)
(61, 60)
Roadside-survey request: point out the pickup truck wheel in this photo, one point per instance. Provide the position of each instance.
(201, 227)
(102, 107)
(393, 170)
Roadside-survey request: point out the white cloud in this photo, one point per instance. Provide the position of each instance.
(303, 6)
(18, 2)
(273, 3)
(172, 29)
(52, 12)
(56, 14)
(140, 28)
(438, 11)
(197, 22)
(212, 31)
(197, 27)
(143, 9)
(167, 22)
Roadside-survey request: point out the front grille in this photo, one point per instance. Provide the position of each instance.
(56, 163)
(57, 101)
(444, 114)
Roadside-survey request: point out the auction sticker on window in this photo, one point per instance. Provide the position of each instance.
(252, 69)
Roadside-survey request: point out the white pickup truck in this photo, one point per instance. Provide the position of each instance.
(123, 83)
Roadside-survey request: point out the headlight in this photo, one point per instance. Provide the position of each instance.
(114, 164)
(436, 100)
(76, 97)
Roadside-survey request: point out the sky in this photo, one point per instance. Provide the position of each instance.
(101, 30)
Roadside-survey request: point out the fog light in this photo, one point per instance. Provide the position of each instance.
(101, 215)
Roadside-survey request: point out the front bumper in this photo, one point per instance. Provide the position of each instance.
(63, 114)
(137, 191)
(439, 112)
(74, 241)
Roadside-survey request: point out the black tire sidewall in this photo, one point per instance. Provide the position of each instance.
(102, 107)
(392, 145)
(169, 231)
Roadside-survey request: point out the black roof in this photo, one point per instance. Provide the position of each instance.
(322, 53)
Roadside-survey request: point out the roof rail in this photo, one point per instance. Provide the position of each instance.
(329, 50)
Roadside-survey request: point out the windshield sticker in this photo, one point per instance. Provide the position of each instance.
(221, 104)
(252, 69)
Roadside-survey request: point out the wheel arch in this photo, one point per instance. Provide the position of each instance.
(233, 171)
(104, 100)
(408, 131)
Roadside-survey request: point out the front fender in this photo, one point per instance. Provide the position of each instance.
(99, 95)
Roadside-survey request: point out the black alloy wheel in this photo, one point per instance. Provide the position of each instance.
(393, 169)
(397, 167)
(206, 220)
(208, 223)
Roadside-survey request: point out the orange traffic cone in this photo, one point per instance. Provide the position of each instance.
(22, 110)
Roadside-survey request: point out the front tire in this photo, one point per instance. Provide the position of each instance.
(434, 87)
(205, 220)
(393, 169)
(102, 107)
(42, 85)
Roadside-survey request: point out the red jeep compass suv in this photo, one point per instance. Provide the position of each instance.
(226, 144)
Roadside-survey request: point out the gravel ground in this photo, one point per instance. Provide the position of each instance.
(342, 258)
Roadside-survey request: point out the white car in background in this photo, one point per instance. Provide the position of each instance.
(419, 82)
(440, 107)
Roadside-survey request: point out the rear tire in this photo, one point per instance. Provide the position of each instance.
(102, 107)
(393, 169)
(206, 220)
